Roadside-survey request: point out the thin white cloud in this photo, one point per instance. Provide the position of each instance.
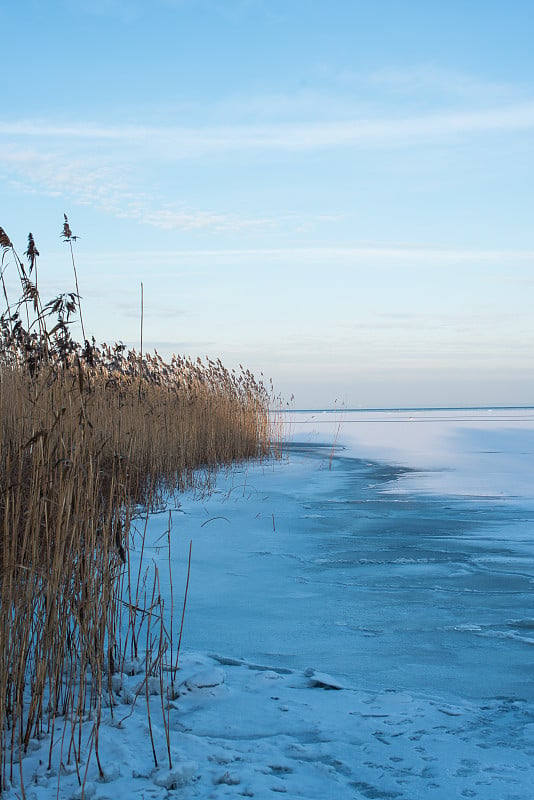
(179, 142)
(93, 164)
(42, 129)
(347, 254)
(169, 219)
(105, 187)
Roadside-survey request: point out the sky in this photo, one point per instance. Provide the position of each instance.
(336, 195)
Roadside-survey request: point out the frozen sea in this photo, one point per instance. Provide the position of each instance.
(359, 622)
(393, 548)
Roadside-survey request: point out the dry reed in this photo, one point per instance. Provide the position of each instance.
(88, 435)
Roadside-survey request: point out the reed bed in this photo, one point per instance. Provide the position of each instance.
(91, 435)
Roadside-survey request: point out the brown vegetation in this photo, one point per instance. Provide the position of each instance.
(89, 435)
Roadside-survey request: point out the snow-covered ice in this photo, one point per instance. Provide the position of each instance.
(359, 623)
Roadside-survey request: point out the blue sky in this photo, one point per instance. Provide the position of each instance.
(335, 194)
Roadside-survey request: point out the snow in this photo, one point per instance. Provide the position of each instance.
(359, 623)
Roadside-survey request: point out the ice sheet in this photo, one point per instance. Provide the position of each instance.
(322, 560)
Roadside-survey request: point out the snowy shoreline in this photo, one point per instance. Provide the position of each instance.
(242, 730)
(359, 631)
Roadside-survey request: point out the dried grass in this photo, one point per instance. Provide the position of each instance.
(88, 436)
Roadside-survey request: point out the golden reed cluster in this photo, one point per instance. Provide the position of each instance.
(89, 435)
